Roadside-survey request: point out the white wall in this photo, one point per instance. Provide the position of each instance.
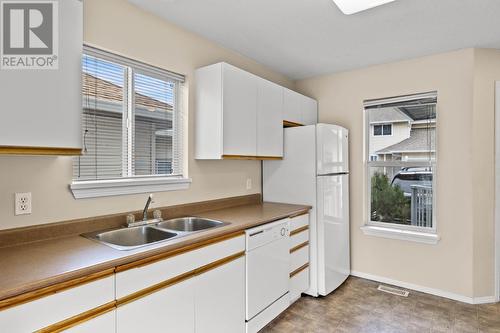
(118, 26)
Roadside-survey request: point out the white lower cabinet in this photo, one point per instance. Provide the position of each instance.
(57, 307)
(167, 310)
(105, 323)
(209, 298)
(220, 299)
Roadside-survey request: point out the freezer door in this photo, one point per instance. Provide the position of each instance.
(332, 149)
(333, 232)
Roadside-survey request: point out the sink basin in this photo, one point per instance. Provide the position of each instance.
(190, 224)
(131, 238)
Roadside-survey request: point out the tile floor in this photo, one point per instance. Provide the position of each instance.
(357, 306)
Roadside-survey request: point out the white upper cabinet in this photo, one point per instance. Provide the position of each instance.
(299, 109)
(237, 114)
(309, 111)
(239, 118)
(41, 108)
(269, 119)
(292, 110)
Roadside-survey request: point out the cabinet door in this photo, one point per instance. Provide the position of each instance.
(292, 106)
(239, 119)
(42, 107)
(166, 310)
(220, 299)
(269, 119)
(105, 323)
(309, 111)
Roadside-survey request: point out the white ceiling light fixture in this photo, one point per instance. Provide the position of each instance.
(349, 7)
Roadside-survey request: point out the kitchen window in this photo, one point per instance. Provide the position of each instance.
(132, 128)
(380, 130)
(401, 168)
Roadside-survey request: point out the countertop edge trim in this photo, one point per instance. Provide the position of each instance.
(53, 289)
(177, 279)
(177, 251)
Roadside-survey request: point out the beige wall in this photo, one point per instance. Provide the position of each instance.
(487, 71)
(118, 26)
(458, 264)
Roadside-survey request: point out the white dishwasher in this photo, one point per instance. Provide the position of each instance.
(267, 273)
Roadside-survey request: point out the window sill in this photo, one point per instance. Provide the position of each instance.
(105, 188)
(407, 235)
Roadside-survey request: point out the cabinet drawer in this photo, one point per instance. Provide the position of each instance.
(105, 323)
(299, 258)
(298, 284)
(299, 222)
(57, 306)
(167, 310)
(300, 238)
(141, 277)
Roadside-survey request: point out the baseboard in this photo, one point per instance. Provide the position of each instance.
(427, 290)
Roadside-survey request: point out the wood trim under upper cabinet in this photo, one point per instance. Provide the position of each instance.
(47, 291)
(298, 270)
(78, 319)
(299, 230)
(19, 150)
(287, 123)
(177, 279)
(298, 247)
(246, 157)
(190, 247)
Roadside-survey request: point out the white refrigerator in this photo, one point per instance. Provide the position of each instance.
(315, 171)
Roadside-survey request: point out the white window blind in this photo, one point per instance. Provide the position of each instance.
(132, 119)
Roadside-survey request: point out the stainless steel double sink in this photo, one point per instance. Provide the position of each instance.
(135, 237)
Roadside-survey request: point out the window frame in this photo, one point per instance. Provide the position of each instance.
(382, 129)
(134, 184)
(393, 230)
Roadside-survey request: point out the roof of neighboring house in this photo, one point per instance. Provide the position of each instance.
(419, 141)
(105, 90)
(388, 115)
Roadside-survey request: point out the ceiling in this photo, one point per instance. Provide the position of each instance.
(305, 38)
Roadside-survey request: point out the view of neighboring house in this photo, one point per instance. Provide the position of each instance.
(105, 125)
(397, 135)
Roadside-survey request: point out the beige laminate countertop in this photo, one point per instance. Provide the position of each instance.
(36, 265)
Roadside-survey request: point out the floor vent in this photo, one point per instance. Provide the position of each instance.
(394, 291)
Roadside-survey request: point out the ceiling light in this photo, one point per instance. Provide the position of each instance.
(349, 7)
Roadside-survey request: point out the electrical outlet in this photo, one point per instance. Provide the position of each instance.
(23, 203)
(249, 183)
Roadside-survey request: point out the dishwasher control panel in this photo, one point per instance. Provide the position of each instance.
(262, 235)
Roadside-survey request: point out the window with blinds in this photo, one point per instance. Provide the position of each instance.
(132, 122)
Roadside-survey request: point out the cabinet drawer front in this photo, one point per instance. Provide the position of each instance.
(135, 279)
(299, 258)
(48, 310)
(105, 323)
(166, 310)
(299, 222)
(298, 284)
(300, 238)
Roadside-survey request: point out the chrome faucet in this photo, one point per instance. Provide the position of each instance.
(145, 211)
